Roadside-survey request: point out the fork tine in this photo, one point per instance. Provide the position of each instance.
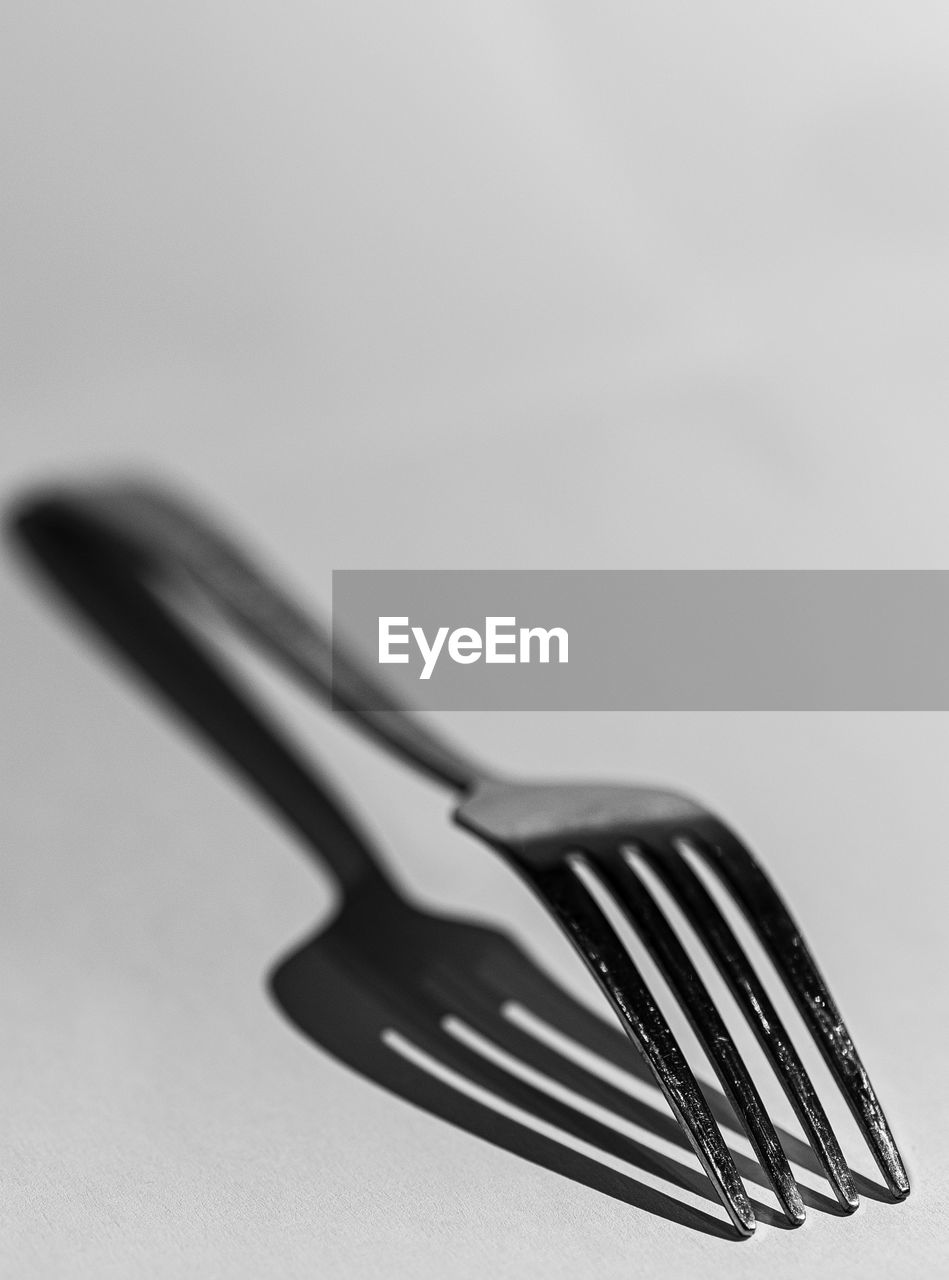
(607, 959)
(766, 912)
(659, 938)
(725, 949)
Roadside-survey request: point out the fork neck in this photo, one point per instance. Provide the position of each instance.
(417, 744)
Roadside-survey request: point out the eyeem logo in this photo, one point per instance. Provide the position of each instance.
(500, 643)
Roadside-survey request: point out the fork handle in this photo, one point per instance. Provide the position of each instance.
(145, 632)
(170, 537)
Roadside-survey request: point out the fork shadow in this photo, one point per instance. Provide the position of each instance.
(348, 1011)
(383, 985)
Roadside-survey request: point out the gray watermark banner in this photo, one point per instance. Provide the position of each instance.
(648, 640)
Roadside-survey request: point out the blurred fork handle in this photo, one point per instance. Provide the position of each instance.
(95, 574)
(168, 536)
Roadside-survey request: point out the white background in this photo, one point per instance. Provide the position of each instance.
(451, 286)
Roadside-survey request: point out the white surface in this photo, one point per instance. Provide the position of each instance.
(485, 285)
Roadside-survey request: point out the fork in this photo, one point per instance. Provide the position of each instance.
(570, 843)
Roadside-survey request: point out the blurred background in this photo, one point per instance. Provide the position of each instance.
(511, 284)
(463, 265)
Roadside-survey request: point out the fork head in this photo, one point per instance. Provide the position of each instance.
(565, 838)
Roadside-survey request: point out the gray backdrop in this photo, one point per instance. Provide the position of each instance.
(476, 285)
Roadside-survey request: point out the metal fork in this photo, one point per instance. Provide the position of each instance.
(556, 837)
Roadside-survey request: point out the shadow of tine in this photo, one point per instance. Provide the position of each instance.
(351, 1020)
(382, 965)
